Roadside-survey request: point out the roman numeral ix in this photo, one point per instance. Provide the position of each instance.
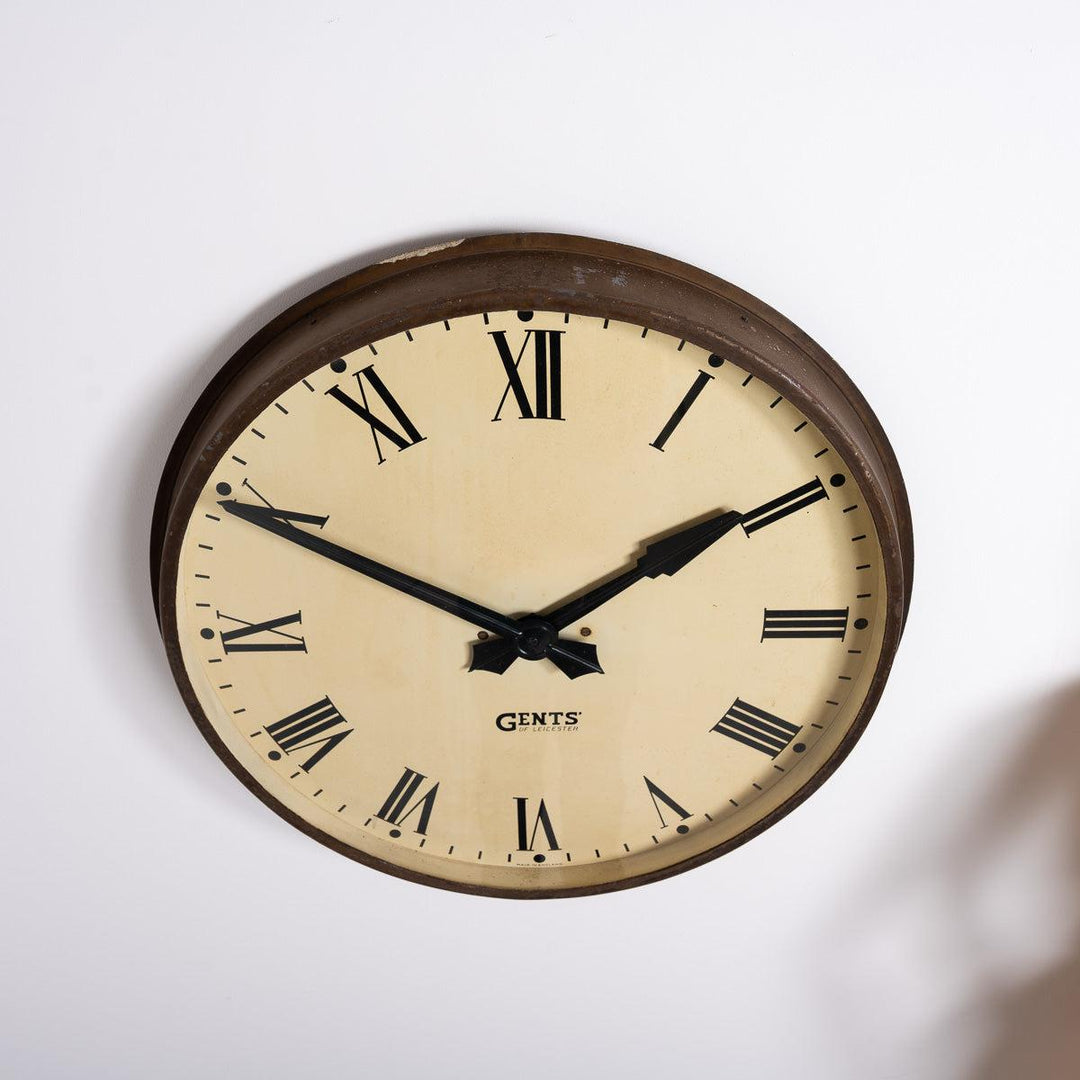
(546, 363)
(404, 436)
(793, 623)
(397, 810)
(267, 636)
(754, 727)
(310, 726)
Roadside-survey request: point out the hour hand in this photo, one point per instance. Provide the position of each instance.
(665, 556)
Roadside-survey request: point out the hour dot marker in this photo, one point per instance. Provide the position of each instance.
(207, 633)
(861, 624)
(525, 316)
(799, 747)
(274, 755)
(338, 365)
(837, 479)
(715, 361)
(395, 833)
(683, 829)
(539, 858)
(224, 489)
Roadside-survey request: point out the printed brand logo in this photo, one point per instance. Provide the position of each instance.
(537, 721)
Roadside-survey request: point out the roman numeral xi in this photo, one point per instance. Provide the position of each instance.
(402, 436)
(316, 725)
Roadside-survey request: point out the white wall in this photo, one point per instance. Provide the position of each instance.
(899, 179)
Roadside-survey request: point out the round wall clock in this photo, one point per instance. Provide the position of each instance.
(531, 566)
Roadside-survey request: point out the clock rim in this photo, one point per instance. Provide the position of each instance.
(543, 272)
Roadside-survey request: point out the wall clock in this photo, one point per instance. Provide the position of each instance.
(531, 565)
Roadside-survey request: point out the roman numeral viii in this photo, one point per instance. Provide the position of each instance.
(404, 436)
(790, 503)
(546, 365)
(310, 726)
(751, 726)
(396, 809)
(792, 623)
(265, 636)
(542, 820)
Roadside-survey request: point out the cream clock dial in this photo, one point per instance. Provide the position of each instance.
(530, 599)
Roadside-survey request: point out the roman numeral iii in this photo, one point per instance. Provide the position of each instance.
(751, 726)
(776, 509)
(793, 623)
(396, 810)
(527, 836)
(310, 726)
(265, 636)
(404, 436)
(546, 370)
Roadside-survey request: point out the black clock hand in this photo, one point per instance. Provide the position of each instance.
(573, 658)
(666, 556)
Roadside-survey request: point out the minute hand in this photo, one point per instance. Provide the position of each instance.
(568, 656)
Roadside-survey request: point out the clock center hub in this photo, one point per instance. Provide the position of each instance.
(536, 638)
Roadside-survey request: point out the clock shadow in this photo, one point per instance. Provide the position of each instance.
(116, 575)
(976, 927)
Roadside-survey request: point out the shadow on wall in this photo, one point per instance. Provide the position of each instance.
(962, 960)
(1032, 1023)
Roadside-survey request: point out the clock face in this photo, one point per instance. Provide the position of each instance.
(530, 602)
